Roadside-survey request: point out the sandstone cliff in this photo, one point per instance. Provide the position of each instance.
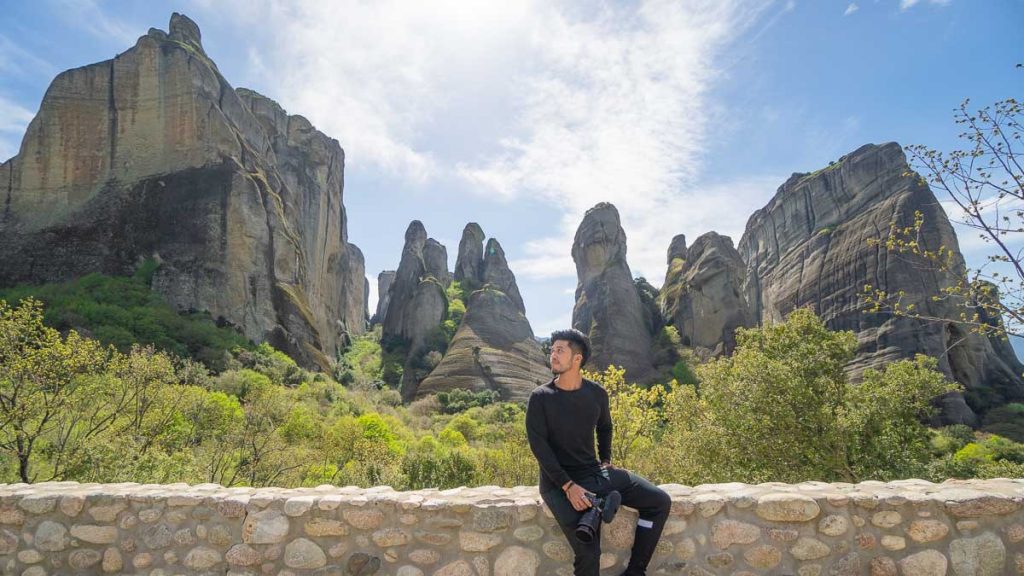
(417, 305)
(809, 246)
(384, 280)
(470, 261)
(494, 347)
(154, 155)
(608, 307)
(703, 293)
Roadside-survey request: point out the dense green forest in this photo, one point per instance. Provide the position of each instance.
(101, 381)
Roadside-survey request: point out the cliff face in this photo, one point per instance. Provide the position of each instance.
(809, 247)
(608, 307)
(703, 293)
(416, 304)
(154, 155)
(493, 347)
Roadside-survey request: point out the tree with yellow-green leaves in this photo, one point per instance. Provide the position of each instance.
(782, 409)
(985, 182)
(43, 378)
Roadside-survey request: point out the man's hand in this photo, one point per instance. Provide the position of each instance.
(577, 496)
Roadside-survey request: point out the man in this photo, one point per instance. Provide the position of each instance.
(562, 417)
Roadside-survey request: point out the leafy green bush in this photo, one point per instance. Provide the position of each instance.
(781, 409)
(460, 399)
(123, 311)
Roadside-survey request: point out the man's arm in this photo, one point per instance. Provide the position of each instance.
(537, 433)
(604, 430)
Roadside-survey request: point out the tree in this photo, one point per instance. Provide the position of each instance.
(636, 416)
(782, 409)
(985, 180)
(40, 378)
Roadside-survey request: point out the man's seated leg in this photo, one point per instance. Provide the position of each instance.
(654, 505)
(587, 556)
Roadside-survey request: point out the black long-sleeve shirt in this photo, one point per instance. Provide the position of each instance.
(560, 425)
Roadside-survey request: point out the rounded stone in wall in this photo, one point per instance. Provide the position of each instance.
(424, 556)
(927, 530)
(50, 536)
(728, 532)
(528, 533)
(983, 555)
(516, 561)
(457, 568)
(112, 561)
(304, 554)
(786, 507)
(558, 551)
(924, 563)
(82, 559)
(763, 556)
(267, 527)
(833, 525)
(243, 555)
(807, 548)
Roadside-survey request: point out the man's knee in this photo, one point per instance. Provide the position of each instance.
(664, 502)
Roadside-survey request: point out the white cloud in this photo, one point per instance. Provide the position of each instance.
(13, 121)
(394, 81)
(908, 4)
(88, 15)
(14, 118)
(851, 9)
(401, 83)
(16, 61)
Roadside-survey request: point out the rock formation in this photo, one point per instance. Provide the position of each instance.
(703, 293)
(809, 246)
(384, 280)
(154, 155)
(494, 347)
(417, 305)
(470, 261)
(608, 308)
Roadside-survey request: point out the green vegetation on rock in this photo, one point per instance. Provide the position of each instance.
(124, 311)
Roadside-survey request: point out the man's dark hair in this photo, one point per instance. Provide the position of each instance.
(577, 340)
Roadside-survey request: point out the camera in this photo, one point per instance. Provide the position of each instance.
(603, 508)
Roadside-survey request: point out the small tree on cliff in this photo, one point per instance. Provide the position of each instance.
(985, 180)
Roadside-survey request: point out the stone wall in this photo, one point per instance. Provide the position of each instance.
(908, 527)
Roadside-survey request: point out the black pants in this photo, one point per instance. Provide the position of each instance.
(651, 502)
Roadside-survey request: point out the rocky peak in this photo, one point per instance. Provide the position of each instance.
(435, 261)
(497, 273)
(809, 247)
(608, 308)
(420, 262)
(384, 280)
(416, 304)
(600, 241)
(677, 248)
(703, 294)
(470, 261)
(183, 29)
(494, 347)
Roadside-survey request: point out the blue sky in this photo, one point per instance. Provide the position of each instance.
(520, 115)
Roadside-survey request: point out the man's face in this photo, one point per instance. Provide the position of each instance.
(562, 357)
